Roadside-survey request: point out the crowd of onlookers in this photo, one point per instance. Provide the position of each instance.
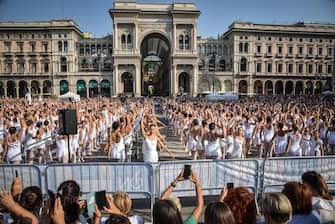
(305, 202)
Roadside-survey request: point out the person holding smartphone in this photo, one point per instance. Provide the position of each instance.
(186, 174)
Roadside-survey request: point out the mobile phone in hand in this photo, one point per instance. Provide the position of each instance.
(230, 185)
(101, 200)
(90, 204)
(187, 171)
(16, 173)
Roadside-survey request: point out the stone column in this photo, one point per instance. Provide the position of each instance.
(115, 37)
(195, 80)
(174, 37)
(173, 85)
(138, 80)
(194, 38)
(88, 91)
(116, 80)
(17, 91)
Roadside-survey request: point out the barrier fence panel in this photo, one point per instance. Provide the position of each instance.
(134, 178)
(30, 175)
(278, 171)
(240, 172)
(168, 171)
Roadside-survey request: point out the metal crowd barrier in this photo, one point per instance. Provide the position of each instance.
(30, 175)
(278, 171)
(134, 178)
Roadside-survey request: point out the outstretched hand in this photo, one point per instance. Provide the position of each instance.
(194, 178)
(58, 216)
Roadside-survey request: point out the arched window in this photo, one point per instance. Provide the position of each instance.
(222, 65)
(246, 47)
(211, 64)
(63, 64)
(243, 65)
(187, 42)
(84, 64)
(181, 42)
(65, 46)
(123, 41)
(129, 42)
(241, 47)
(60, 46)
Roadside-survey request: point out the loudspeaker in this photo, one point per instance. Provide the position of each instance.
(67, 119)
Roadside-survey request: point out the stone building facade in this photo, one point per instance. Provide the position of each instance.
(155, 50)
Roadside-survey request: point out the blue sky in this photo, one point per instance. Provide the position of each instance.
(216, 15)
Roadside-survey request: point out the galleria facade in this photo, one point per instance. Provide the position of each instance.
(155, 49)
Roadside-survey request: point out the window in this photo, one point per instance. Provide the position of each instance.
(65, 46)
(320, 51)
(32, 47)
(330, 51)
(291, 39)
(269, 67)
(20, 36)
(65, 35)
(20, 67)
(63, 65)
(104, 49)
(280, 49)
(270, 49)
(87, 49)
(241, 37)
(259, 67)
(329, 69)
(300, 68)
(300, 40)
(33, 68)
(60, 46)
(241, 47)
(259, 38)
(301, 49)
(311, 40)
(280, 68)
(187, 42)
(319, 68)
(32, 36)
(93, 49)
(222, 65)
(269, 38)
(259, 48)
(20, 47)
(310, 68)
(320, 40)
(290, 68)
(46, 67)
(211, 66)
(110, 49)
(280, 39)
(8, 68)
(181, 42)
(81, 50)
(290, 50)
(45, 47)
(246, 47)
(243, 65)
(310, 50)
(7, 47)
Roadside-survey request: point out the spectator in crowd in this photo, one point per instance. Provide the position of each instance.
(322, 201)
(242, 203)
(165, 211)
(276, 208)
(218, 213)
(123, 202)
(300, 197)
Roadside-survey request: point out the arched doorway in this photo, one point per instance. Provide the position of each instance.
(23, 89)
(155, 51)
(93, 88)
(35, 88)
(11, 92)
(184, 83)
(318, 87)
(128, 83)
(289, 87)
(63, 87)
(228, 86)
(309, 88)
(204, 86)
(258, 87)
(279, 87)
(217, 85)
(2, 89)
(268, 88)
(81, 88)
(243, 87)
(105, 88)
(47, 88)
(299, 88)
(327, 86)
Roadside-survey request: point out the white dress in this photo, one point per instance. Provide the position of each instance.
(213, 149)
(281, 144)
(118, 150)
(14, 151)
(316, 146)
(237, 148)
(331, 137)
(229, 144)
(295, 148)
(306, 146)
(149, 150)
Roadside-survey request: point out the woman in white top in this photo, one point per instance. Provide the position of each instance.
(331, 137)
(317, 144)
(294, 142)
(229, 142)
(12, 145)
(115, 147)
(258, 137)
(29, 146)
(268, 133)
(280, 140)
(306, 143)
(194, 139)
(212, 148)
(239, 150)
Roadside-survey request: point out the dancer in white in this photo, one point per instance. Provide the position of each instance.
(317, 144)
(331, 137)
(268, 133)
(194, 139)
(115, 147)
(212, 148)
(12, 145)
(294, 143)
(257, 137)
(280, 140)
(306, 143)
(239, 150)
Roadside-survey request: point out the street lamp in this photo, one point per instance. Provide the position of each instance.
(100, 57)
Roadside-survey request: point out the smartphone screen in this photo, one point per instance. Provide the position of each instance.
(16, 173)
(230, 185)
(101, 200)
(187, 171)
(90, 200)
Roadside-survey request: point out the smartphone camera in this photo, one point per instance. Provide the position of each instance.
(187, 171)
(230, 185)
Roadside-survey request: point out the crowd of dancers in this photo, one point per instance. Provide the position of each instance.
(265, 127)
